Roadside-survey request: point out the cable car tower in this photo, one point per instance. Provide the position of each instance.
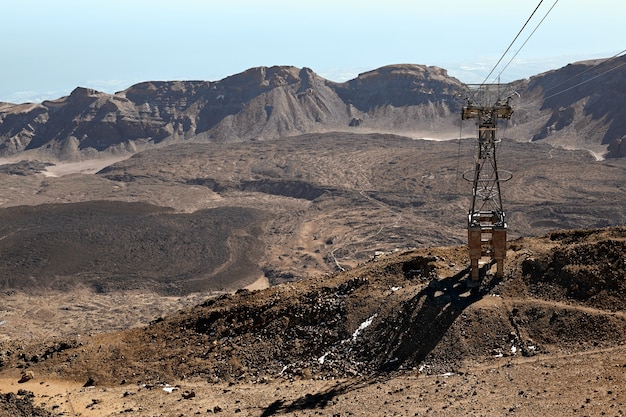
(486, 223)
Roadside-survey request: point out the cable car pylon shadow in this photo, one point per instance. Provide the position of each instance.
(423, 322)
(426, 318)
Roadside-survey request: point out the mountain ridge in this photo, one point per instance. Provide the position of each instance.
(264, 103)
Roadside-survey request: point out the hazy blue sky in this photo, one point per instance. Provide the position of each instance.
(50, 47)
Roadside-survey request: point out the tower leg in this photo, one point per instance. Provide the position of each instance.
(499, 249)
(475, 270)
(500, 266)
(475, 250)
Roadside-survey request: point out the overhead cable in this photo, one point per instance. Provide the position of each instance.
(527, 39)
(516, 36)
(586, 81)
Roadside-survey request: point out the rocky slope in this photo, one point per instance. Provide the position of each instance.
(400, 315)
(405, 311)
(12, 405)
(577, 106)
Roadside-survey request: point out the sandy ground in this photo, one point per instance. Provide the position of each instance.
(83, 167)
(259, 284)
(60, 169)
(514, 386)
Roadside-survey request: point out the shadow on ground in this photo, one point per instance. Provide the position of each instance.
(421, 324)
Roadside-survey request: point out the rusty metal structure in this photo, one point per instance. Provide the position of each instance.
(486, 222)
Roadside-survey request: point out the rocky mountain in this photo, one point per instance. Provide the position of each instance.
(260, 103)
(576, 106)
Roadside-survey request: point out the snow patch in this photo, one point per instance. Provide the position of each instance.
(169, 389)
(322, 358)
(363, 326)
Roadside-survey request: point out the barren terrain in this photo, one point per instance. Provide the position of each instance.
(275, 243)
(399, 335)
(125, 278)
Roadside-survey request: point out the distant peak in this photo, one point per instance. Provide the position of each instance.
(416, 69)
(83, 91)
(265, 76)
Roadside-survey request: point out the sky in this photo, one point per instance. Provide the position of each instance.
(48, 48)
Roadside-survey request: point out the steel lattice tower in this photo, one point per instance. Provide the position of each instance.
(486, 223)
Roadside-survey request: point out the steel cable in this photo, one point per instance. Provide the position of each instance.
(527, 39)
(511, 44)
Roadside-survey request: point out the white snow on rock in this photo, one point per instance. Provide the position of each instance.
(362, 327)
(322, 358)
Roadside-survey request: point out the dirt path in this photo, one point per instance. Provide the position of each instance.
(557, 304)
